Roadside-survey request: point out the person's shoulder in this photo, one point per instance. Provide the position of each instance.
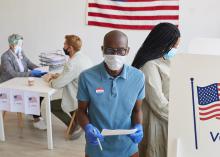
(6, 54)
(134, 71)
(151, 64)
(84, 59)
(94, 70)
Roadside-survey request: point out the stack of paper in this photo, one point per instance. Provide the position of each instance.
(54, 60)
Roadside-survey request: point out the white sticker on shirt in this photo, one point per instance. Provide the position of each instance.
(99, 90)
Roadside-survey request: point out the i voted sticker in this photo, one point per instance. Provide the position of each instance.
(99, 90)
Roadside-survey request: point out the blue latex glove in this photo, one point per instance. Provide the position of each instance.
(92, 133)
(37, 73)
(138, 135)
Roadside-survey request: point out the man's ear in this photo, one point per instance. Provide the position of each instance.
(102, 50)
(12, 46)
(71, 48)
(128, 50)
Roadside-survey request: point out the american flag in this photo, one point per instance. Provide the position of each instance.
(132, 14)
(209, 102)
(3, 96)
(18, 98)
(32, 99)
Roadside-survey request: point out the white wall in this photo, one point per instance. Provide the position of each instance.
(43, 23)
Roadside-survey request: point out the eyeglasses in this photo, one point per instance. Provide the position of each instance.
(115, 51)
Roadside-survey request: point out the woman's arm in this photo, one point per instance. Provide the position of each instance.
(155, 97)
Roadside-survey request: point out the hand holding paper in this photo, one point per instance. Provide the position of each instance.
(37, 73)
(48, 77)
(138, 135)
(92, 133)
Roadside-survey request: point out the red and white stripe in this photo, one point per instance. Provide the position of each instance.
(210, 111)
(99, 90)
(132, 14)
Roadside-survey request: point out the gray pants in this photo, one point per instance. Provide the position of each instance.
(59, 113)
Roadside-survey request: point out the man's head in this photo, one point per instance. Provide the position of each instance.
(115, 48)
(115, 40)
(72, 44)
(15, 42)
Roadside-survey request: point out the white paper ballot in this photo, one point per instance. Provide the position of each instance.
(107, 132)
(4, 100)
(32, 103)
(43, 68)
(17, 101)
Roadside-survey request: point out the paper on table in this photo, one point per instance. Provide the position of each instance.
(17, 100)
(4, 99)
(32, 103)
(43, 68)
(107, 132)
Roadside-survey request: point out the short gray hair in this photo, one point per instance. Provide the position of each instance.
(13, 39)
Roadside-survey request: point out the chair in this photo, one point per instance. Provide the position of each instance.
(70, 125)
(20, 119)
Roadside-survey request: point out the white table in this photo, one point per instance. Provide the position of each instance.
(41, 87)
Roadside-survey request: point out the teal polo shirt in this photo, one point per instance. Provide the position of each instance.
(111, 101)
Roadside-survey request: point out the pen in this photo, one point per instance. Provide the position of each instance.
(100, 145)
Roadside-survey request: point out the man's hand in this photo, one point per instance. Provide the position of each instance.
(54, 76)
(48, 77)
(92, 133)
(138, 135)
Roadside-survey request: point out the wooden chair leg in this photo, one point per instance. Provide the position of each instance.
(4, 113)
(70, 125)
(20, 120)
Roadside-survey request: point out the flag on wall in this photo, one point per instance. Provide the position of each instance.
(132, 14)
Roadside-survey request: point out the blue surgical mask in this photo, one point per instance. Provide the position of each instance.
(18, 49)
(170, 54)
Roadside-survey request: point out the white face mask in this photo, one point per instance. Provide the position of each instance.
(114, 62)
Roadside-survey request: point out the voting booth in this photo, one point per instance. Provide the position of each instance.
(194, 109)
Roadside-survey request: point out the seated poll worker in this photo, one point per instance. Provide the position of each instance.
(68, 80)
(109, 97)
(14, 63)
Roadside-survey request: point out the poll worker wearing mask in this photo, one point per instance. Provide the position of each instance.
(110, 96)
(14, 63)
(68, 80)
(153, 58)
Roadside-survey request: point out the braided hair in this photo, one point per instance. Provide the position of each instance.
(161, 39)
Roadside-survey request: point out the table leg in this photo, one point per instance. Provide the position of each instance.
(49, 124)
(2, 131)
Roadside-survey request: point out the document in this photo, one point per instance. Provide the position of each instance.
(4, 99)
(107, 132)
(43, 68)
(17, 101)
(32, 103)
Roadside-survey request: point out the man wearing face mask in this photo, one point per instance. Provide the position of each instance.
(14, 63)
(68, 81)
(110, 96)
